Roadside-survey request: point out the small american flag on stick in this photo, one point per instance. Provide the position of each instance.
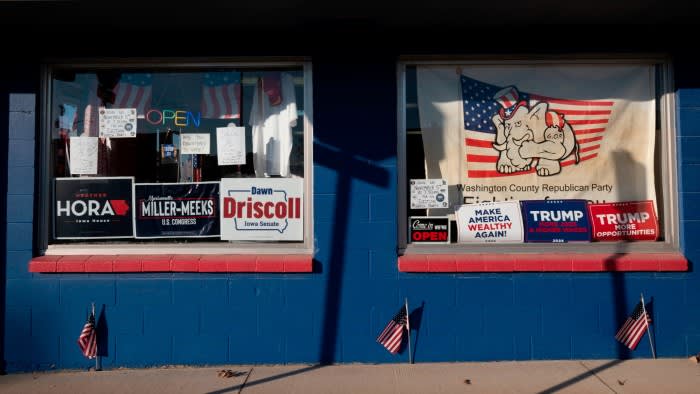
(88, 337)
(393, 333)
(633, 330)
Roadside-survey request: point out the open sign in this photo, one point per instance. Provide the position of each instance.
(429, 229)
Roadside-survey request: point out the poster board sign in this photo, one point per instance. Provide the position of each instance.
(117, 122)
(429, 229)
(428, 193)
(176, 210)
(230, 145)
(556, 220)
(492, 222)
(86, 208)
(83, 155)
(195, 144)
(262, 209)
(624, 221)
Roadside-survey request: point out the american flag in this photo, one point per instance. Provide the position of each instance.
(221, 95)
(393, 333)
(588, 119)
(88, 337)
(134, 91)
(633, 330)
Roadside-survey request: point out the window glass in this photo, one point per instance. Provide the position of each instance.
(177, 155)
(538, 152)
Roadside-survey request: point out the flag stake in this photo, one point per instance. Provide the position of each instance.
(653, 353)
(408, 329)
(97, 363)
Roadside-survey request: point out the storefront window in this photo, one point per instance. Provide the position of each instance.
(537, 152)
(177, 155)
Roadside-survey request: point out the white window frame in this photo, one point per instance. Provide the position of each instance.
(44, 193)
(666, 144)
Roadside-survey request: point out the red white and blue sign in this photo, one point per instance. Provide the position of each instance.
(262, 209)
(490, 222)
(176, 210)
(556, 220)
(624, 221)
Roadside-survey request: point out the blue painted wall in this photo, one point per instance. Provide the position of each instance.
(335, 314)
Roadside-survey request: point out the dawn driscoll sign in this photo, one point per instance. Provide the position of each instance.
(556, 220)
(264, 209)
(93, 208)
(177, 210)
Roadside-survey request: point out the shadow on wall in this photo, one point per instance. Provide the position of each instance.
(626, 169)
(354, 130)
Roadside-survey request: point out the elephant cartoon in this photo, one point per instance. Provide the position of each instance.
(511, 133)
(553, 141)
(524, 135)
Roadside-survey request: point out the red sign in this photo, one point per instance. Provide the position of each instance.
(624, 221)
(429, 229)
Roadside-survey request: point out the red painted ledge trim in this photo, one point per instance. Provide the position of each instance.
(173, 263)
(546, 262)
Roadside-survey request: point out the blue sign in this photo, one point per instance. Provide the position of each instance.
(556, 220)
(177, 210)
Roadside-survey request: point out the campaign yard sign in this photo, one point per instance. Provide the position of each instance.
(177, 210)
(492, 222)
(556, 220)
(429, 229)
(262, 209)
(624, 221)
(86, 208)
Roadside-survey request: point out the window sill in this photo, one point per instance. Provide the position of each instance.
(287, 263)
(544, 262)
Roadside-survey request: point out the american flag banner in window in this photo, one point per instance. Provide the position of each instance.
(221, 95)
(530, 131)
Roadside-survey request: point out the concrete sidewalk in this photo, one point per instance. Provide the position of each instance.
(583, 376)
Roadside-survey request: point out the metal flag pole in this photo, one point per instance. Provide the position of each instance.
(646, 316)
(408, 329)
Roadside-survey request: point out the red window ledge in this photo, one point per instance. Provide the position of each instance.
(550, 262)
(172, 263)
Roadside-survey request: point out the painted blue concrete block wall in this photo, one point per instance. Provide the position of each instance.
(335, 313)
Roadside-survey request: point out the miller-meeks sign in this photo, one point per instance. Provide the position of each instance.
(177, 210)
(262, 209)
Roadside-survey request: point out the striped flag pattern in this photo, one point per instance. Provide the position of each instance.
(633, 329)
(588, 119)
(392, 335)
(88, 338)
(134, 91)
(221, 95)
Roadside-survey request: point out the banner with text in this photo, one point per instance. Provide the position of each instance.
(622, 221)
(93, 208)
(497, 222)
(262, 209)
(556, 220)
(526, 132)
(176, 210)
